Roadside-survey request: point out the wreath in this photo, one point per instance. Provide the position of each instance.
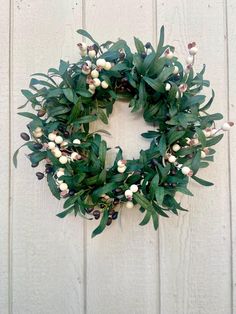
(68, 99)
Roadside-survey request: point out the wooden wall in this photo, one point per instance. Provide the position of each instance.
(52, 266)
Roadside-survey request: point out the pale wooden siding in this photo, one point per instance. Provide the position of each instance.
(51, 266)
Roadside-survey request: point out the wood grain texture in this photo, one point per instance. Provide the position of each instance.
(231, 41)
(122, 263)
(48, 269)
(195, 247)
(4, 165)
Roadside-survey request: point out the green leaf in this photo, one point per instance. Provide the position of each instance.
(161, 41)
(196, 162)
(202, 182)
(155, 84)
(154, 184)
(207, 106)
(162, 145)
(155, 220)
(17, 151)
(52, 185)
(102, 151)
(68, 92)
(160, 211)
(103, 190)
(86, 119)
(201, 136)
(146, 218)
(102, 116)
(87, 35)
(184, 190)
(150, 134)
(174, 136)
(63, 67)
(139, 45)
(214, 140)
(102, 224)
(159, 194)
(65, 212)
(141, 200)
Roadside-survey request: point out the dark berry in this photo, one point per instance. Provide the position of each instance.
(66, 134)
(114, 215)
(49, 169)
(173, 172)
(41, 113)
(111, 211)
(116, 201)
(165, 184)
(148, 45)
(38, 146)
(61, 128)
(143, 55)
(109, 221)
(72, 192)
(190, 156)
(25, 136)
(118, 191)
(174, 185)
(102, 205)
(89, 210)
(34, 165)
(122, 55)
(39, 175)
(96, 214)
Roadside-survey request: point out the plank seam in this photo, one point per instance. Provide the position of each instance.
(229, 150)
(10, 272)
(84, 222)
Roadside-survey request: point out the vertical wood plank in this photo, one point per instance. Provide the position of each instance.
(231, 32)
(122, 264)
(48, 269)
(4, 165)
(195, 247)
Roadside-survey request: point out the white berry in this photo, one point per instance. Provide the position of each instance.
(92, 87)
(101, 62)
(74, 156)
(104, 84)
(60, 173)
(52, 136)
(225, 127)
(38, 129)
(76, 141)
(96, 82)
(134, 188)
(57, 153)
(169, 55)
(63, 186)
(64, 144)
(121, 169)
(176, 147)
(95, 73)
(83, 46)
(58, 139)
(176, 70)
(185, 170)
(92, 53)
(203, 154)
(128, 194)
(89, 63)
(129, 205)
(193, 51)
(189, 60)
(38, 134)
(63, 160)
(51, 145)
(172, 159)
(167, 87)
(207, 133)
(107, 66)
(120, 163)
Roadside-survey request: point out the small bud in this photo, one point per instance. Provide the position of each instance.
(193, 51)
(169, 54)
(226, 126)
(176, 70)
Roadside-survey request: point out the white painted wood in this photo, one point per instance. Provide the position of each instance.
(57, 268)
(195, 247)
(231, 37)
(4, 165)
(122, 264)
(48, 270)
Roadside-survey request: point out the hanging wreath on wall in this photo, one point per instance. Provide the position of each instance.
(68, 99)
